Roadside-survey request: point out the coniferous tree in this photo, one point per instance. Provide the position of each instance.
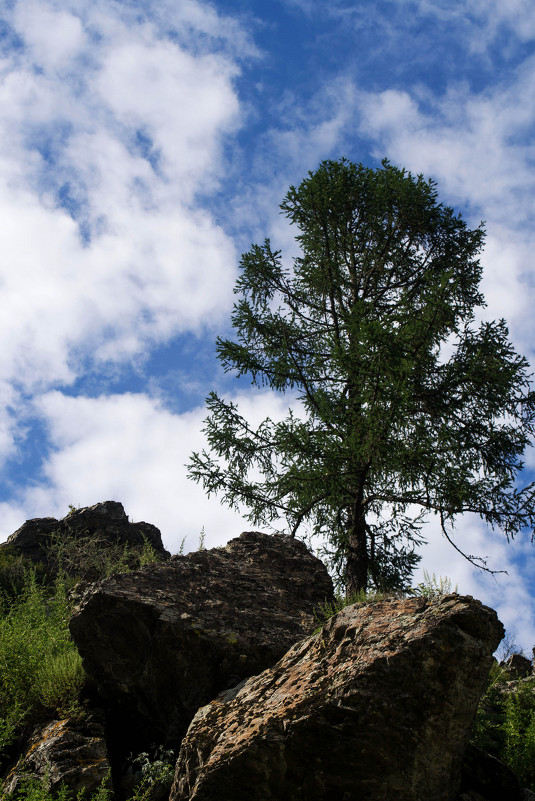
(407, 407)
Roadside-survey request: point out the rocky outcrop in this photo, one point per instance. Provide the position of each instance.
(78, 542)
(160, 642)
(517, 666)
(68, 752)
(377, 705)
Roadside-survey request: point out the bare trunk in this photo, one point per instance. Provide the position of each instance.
(357, 557)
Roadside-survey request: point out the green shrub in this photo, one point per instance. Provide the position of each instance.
(330, 608)
(91, 557)
(40, 670)
(88, 557)
(505, 724)
(60, 681)
(148, 555)
(152, 777)
(13, 573)
(519, 730)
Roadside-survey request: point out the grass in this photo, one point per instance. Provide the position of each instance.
(40, 669)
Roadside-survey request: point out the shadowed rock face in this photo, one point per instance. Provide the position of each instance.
(378, 706)
(104, 524)
(159, 642)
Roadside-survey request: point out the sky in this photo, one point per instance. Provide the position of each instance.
(145, 144)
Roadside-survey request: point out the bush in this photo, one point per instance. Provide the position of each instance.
(14, 568)
(40, 669)
(519, 731)
(152, 777)
(91, 557)
(505, 724)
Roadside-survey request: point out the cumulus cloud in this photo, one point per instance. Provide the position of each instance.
(105, 250)
(132, 449)
(112, 127)
(475, 144)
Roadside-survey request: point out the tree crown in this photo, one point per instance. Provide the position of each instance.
(405, 403)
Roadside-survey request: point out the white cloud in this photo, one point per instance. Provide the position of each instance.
(477, 146)
(111, 128)
(507, 592)
(131, 449)
(54, 36)
(479, 24)
(482, 20)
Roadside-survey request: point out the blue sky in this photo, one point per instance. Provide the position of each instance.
(145, 145)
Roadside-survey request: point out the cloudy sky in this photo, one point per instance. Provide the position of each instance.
(145, 144)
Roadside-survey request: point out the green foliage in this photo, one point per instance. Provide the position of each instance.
(433, 587)
(519, 727)
(34, 789)
(13, 573)
(148, 555)
(60, 681)
(361, 597)
(505, 724)
(404, 403)
(40, 669)
(92, 557)
(154, 776)
(89, 557)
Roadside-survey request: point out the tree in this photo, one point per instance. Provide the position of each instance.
(406, 406)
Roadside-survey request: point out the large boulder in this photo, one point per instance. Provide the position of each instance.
(162, 641)
(377, 705)
(83, 540)
(69, 752)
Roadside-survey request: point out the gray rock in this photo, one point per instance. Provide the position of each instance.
(70, 752)
(518, 666)
(160, 642)
(81, 540)
(378, 705)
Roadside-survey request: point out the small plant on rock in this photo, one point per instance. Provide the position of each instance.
(152, 777)
(433, 587)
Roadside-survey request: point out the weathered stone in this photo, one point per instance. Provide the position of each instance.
(162, 641)
(518, 666)
(80, 534)
(71, 752)
(378, 705)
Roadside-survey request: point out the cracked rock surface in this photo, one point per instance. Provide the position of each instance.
(378, 705)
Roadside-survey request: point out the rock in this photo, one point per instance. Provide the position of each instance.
(80, 540)
(486, 776)
(378, 705)
(32, 538)
(518, 666)
(162, 641)
(71, 752)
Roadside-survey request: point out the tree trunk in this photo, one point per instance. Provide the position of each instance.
(357, 557)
